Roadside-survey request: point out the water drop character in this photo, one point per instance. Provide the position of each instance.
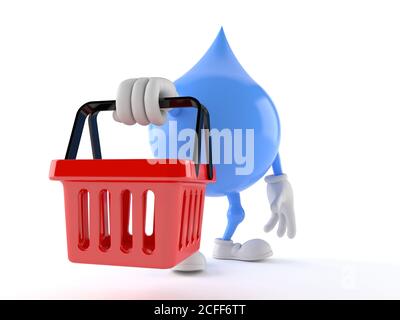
(245, 140)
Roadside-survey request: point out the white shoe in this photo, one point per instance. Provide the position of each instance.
(196, 262)
(252, 250)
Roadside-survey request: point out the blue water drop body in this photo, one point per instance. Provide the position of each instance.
(234, 101)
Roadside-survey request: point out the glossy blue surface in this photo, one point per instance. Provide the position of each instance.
(235, 101)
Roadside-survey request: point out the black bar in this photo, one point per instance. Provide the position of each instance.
(211, 309)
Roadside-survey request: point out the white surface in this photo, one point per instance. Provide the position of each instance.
(333, 71)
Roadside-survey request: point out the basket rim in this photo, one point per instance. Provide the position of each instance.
(128, 169)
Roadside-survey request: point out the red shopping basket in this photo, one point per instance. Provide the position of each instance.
(105, 200)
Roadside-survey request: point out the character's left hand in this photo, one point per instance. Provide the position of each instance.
(280, 196)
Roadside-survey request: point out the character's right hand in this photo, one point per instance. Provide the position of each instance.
(138, 100)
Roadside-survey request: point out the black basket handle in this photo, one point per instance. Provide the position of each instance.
(93, 108)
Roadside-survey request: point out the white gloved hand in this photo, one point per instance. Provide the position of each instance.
(138, 100)
(280, 196)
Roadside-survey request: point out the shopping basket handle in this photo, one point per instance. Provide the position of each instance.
(93, 108)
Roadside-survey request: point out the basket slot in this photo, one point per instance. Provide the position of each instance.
(184, 221)
(195, 215)
(105, 238)
(94, 218)
(83, 220)
(200, 210)
(191, 218)
(126, 238)
(148, 217)
(149, 221)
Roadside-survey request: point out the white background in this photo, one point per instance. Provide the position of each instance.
(333, 71)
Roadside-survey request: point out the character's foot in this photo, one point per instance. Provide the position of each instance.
(252, 250)
(196, 262)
